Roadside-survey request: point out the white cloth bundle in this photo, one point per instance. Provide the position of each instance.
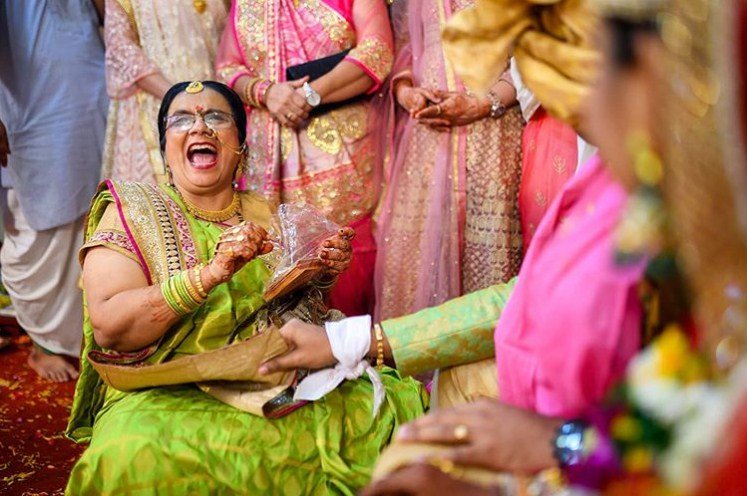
(350, 340)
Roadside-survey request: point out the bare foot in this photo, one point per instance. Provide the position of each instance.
(51, 367)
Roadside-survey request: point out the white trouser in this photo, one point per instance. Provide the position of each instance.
(40, 271)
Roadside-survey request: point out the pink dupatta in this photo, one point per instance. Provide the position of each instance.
(436, 246)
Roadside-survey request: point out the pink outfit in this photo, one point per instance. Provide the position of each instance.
(549, 157)
(559, 356)
(330, 162)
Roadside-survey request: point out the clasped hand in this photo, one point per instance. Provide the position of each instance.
(442, 110)
(287, 104)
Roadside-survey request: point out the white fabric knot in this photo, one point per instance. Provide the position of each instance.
(350, 340)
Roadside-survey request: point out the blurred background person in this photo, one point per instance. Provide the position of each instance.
(449, 222)
(313, 141)
(53, 105)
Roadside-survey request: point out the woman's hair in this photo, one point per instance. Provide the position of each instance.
(624, 32)
(237, 108)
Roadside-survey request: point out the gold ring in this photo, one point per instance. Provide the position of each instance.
(438, 107)
(461, 432)
(290, 116)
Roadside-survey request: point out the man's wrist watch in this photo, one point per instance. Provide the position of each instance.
(312, 97)
(574, 441)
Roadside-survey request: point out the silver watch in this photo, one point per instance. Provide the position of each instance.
(312, 97)
(497, 109)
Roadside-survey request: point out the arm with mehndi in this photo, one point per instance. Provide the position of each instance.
(463, 108)
(127, 313)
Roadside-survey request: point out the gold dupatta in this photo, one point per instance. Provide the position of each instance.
(551, 41)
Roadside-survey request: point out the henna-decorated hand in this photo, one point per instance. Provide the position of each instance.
(454, 109)
(336, 252)
(236, 247)
(415, 99)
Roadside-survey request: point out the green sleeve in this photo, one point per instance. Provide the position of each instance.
(453, 333)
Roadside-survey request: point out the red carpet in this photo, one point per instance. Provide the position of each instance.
(35, 457)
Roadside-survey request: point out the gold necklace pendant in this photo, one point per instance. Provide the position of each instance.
(215, 215)
(200, 5)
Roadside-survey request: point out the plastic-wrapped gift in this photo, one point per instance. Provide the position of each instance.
(301, 229)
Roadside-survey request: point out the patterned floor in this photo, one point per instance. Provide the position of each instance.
(35, 457)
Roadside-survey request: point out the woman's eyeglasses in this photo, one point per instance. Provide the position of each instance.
(213, 119)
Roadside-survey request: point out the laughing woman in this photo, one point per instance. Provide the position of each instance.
(200, 235)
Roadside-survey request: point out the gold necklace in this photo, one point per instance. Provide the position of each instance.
(214, 215)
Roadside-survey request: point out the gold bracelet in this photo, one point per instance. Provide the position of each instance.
(379, 346)
(197, 273)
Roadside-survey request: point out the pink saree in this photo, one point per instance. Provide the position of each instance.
(448, 223)
(574, 318)
(330, 162)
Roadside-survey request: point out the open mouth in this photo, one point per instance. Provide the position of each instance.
(202, 155)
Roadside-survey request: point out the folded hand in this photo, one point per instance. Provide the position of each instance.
(415, 99)
(287, 103)
(454, 109)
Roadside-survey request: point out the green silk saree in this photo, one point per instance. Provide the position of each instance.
(180, 440)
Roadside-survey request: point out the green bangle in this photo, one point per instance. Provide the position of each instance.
(183, 292)
(169, 297)
(178, 296)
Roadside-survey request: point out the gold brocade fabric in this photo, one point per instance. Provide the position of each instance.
(551, 41)
(465, 384)
(492, 230)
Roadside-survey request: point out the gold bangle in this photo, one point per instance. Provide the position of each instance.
(192, 290)
(197, 273)
(249, 92)
(379, 346)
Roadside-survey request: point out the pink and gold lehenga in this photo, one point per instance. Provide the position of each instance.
(330, 162)
(449, 222)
